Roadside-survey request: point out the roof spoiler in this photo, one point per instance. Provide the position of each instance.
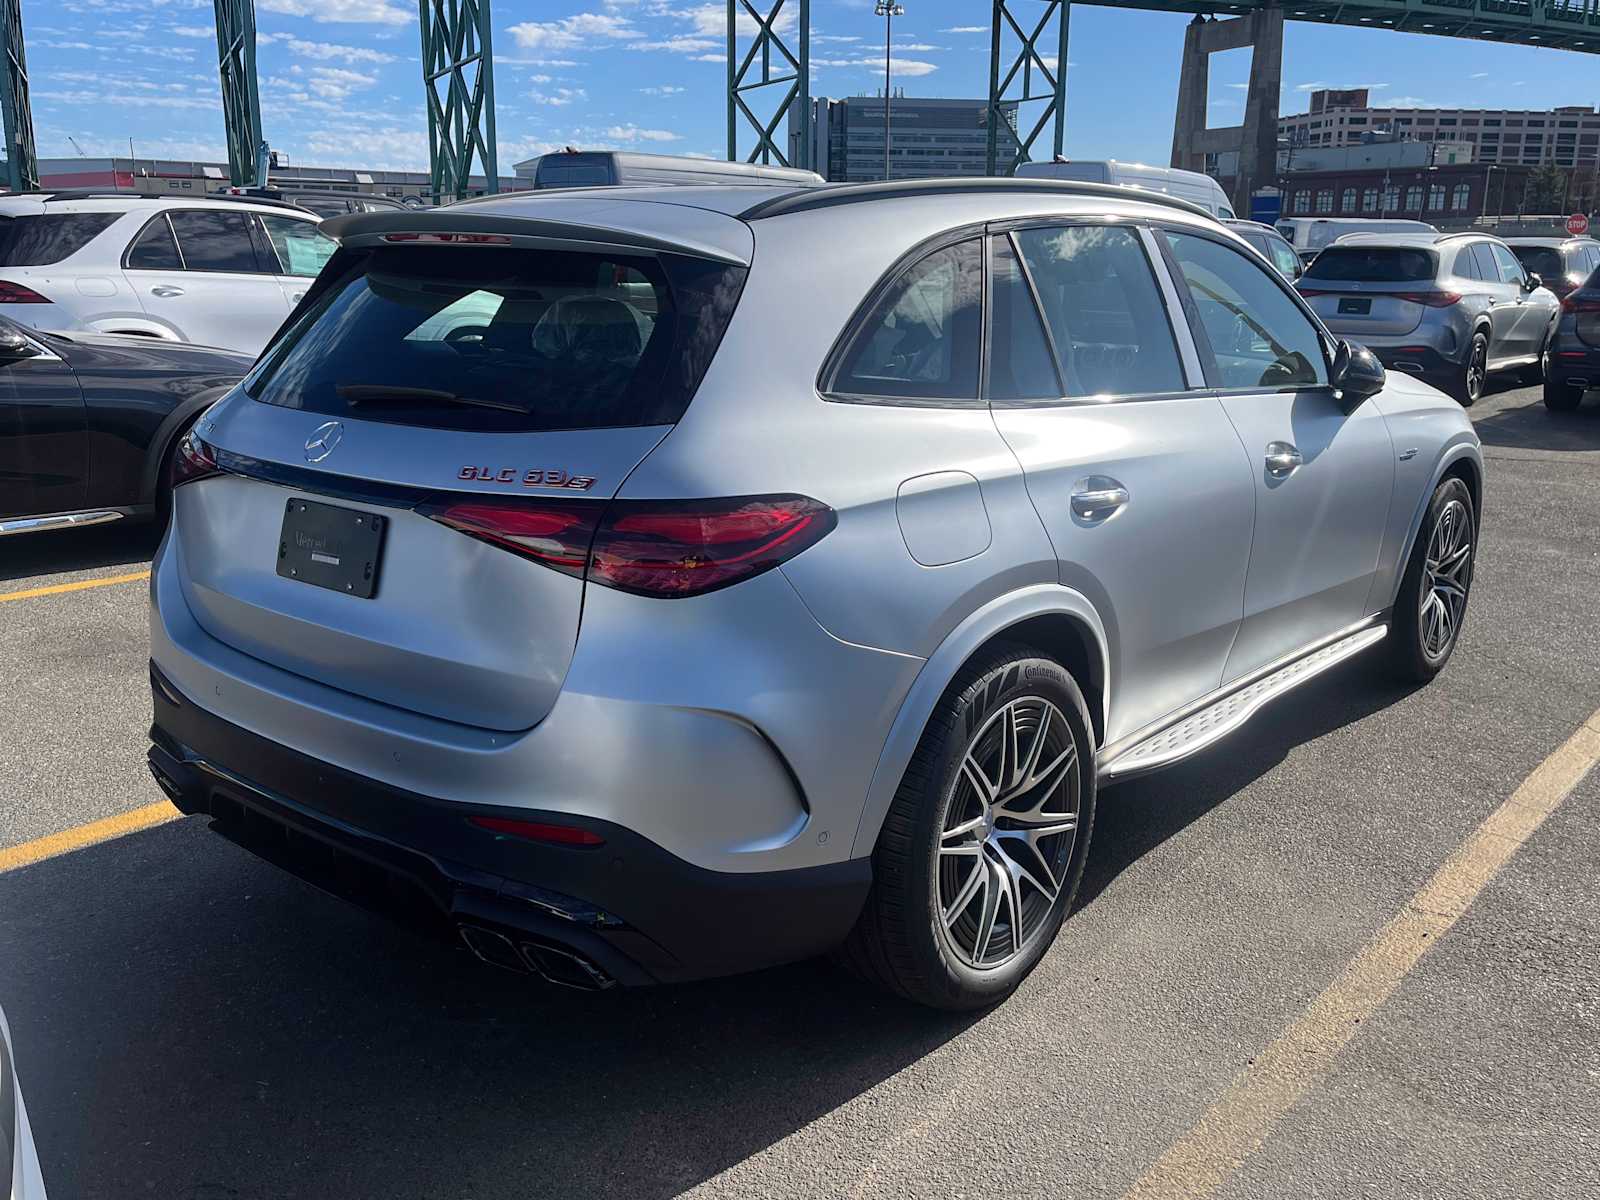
(707, 238)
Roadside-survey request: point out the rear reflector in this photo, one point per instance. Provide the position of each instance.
(452, 239)
(660, 548)
(540, 831)
(15, 293)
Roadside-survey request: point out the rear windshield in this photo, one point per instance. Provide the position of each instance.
(504, 340)
(1541, 260)
(573, 170)
(46, 238)
(1372, 264)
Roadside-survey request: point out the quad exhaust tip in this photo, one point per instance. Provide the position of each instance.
(553, 964)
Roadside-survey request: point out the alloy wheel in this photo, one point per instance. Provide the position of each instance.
(1446, 576)
(1008, 833)
(1477, 369)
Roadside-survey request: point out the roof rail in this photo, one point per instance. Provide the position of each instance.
(831, 195)
(51, 195)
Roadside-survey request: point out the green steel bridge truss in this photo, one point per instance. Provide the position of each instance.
(241, 102)
(22, 160)
(1028, 53)
(457, 61)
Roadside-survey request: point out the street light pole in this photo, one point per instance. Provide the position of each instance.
(888, 10)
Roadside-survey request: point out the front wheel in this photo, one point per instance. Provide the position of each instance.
(1432, 603)
(984, 845)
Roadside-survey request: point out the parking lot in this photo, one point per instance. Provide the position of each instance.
(190, 1022)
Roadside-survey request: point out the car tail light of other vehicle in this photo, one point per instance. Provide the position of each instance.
(1431, 299)
(1585, 307)
(662, 549)
(193, 461)
(16, 293)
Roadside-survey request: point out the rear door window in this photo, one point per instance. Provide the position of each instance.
(920, 341)
(1373, 264)
(1021, 365)
(214, 241)
(1107, 319)
(299, 248)
(39, 240)
(504, 340)
(155, 249)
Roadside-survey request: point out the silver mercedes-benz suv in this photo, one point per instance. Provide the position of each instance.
(658, 583)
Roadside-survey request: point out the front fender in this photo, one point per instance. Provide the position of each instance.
(988, 622)
(1463, 448)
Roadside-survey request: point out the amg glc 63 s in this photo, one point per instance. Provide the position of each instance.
(648, 584)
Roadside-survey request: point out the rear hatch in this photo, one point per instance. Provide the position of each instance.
(1374, 291)
(476, 392)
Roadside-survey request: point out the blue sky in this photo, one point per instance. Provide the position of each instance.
(340, 79)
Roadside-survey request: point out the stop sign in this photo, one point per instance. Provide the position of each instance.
(1577, 224)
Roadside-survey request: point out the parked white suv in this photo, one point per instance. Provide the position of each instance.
(219, 271)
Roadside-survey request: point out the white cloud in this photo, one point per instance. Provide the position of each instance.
(194, 31)
(966, 29)
(716, 58)
(378, 12)
(571, 33)
(355, 143)
(558, 97)
(632, 133)
(909, 68)
(1319, 86)
(678, 45)
(540, 78)
(329, 51)
(837, 37)
(665, 90)
(917, 46)
(1479, 75)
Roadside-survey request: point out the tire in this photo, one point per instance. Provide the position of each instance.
(1561, 397)
(1467, 385)
(939, 822)
(1416, 650)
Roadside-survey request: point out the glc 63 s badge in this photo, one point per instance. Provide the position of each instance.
(550, 478)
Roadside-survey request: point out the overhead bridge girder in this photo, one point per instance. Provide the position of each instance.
(241, 102)
(458, 73)
(22, 159)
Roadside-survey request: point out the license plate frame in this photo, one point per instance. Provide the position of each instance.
(1355, 306)
(332, 547)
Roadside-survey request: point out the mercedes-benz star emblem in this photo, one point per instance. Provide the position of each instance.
(323, 441)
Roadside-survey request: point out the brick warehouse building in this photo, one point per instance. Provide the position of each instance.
(1450, 194)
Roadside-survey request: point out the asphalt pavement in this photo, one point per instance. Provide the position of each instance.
(192, 1023)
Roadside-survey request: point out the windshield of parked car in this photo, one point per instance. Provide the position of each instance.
(38, 240)
(507, 340)
(1373, 264)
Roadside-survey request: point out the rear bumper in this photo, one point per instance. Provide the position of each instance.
(1572, 362)
(624, 912)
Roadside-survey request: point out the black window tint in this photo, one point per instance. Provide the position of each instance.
(39, 240)
(323, 207)
(504, 340)
(1104, 310)
(1487, 271)
(214, 241)
(1021, 366)
(1373, 264)
(1541, 260)
(1259, 336)
(154, 249)
(920, 341)
(1466, 266)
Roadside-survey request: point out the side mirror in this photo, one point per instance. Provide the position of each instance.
(14, 346)
(1357, 375)
(1532, 282)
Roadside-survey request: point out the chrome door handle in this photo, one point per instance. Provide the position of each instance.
(1283, 459)
(166, 290)
(1099, 497)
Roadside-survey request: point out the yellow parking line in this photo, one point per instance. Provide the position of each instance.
(1237, 1124)
(57, 588)
(102, 830)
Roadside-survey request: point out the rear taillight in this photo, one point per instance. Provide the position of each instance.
(552, 533)
(15, 293)
(661, 548)
(451, 239)
(193, 460)
(1431, 299)
(1581, 302)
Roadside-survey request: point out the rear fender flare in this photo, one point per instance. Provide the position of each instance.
(167, 433)
(993, 619)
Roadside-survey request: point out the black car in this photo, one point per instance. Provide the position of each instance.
(89, 422)
(1572, 360)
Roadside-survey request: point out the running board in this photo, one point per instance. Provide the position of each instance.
(1220, 717)
(59, 521)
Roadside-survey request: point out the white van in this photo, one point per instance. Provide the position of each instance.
(1185, 185)
(625, 168)
(1308, 235)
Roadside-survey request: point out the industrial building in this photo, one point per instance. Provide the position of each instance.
(161, 176)
(927, 137)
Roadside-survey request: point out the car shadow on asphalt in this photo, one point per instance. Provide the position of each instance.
(1133, 818)
(1531, 426)
(190, 1022)
(122, 543)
